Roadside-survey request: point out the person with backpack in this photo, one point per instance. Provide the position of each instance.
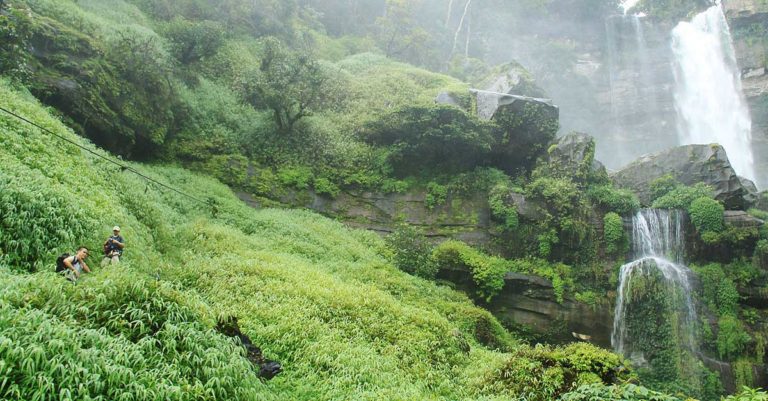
(73, 266)
(113, 248)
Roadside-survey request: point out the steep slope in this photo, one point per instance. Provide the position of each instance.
(318, 297)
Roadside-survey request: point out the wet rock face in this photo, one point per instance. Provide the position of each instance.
(466, 220)
(529, 303)
(571, 156)
(741, 219)
(748, 20)
(690, 164)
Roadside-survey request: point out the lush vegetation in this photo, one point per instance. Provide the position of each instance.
(285, 100)
(322, 299)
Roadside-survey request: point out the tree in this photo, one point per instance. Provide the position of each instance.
(293, 84)
(14, 34)
(398, 32)
(192, 41)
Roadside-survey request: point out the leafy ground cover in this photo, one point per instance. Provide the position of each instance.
(322, 299)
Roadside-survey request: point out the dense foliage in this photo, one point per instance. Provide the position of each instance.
(318, 297)
(283, 99)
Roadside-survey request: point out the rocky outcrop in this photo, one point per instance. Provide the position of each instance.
(689, 164)
(748, 20)
(491, 105)
(466, 220)
(525, 126)
(528, 303)
(741, 219)
(512, 79)
(571, 156)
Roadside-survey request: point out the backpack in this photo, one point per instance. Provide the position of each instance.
(60, 266)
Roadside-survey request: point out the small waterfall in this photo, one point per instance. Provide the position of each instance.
(708, 94)
(658, 247)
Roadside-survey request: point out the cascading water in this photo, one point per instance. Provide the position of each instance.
(708, 94)
(638, 78)
(657, 246)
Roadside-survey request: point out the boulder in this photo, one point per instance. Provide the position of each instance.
(689, 165)
(526, 209)
(572, 156)
(741, 219)
(525, 127)
(512, 79)
(762, 201)
(491, 103)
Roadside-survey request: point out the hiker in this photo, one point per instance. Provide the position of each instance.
(76, 264)
(113, 248)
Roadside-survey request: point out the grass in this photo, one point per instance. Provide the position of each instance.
(322, 299)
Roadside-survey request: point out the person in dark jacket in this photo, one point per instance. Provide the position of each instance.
(113, 248)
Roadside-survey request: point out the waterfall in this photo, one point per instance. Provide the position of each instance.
(627, 5)
(657, 246)
(708, 93)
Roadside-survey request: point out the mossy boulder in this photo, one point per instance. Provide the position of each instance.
(690, 165)
(512, 79)
(525, 127)
(571, 156)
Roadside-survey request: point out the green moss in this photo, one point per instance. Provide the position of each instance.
(487, 271)
(616, 242)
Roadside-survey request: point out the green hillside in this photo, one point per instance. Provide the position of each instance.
(508, 236)
(320, 298)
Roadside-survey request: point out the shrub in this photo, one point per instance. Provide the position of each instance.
(544, 374)
(501, 210)
(412, 252)
(621, 201)
(626, 392)
(682, 197)
(437, 194)
(323, 185)
(296, 177)
(37, 221)
(662, 186)
(109, 339)
(718, 290)
(707, 215)
(487, 271)
(615, 240)
(436, 139)
(732, 338)
(748, 394)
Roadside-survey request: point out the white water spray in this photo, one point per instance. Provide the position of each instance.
(708, 93)
(657, 245)
(627, 5)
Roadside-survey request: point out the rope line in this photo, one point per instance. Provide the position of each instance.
(124, 167)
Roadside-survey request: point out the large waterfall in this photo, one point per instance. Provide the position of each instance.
(708, 94)
(658, 247)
